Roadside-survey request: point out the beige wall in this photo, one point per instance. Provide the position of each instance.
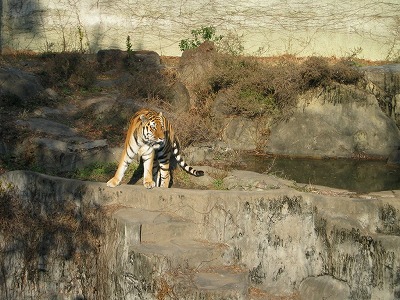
(301, 27)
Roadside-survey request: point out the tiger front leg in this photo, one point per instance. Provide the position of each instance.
(119, 174)
(148, 159)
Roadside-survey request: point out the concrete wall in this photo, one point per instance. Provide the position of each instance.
(278, 237)
(267, 27)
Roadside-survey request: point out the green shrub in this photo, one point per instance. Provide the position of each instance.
(199, 36)
(129, 48)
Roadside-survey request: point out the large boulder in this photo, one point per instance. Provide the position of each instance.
(323, 287)
(18, 87)
(240, 134)
(180, 98)
(342, 121)
(195, 65)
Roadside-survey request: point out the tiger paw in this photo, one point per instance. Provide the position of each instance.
(113, 182)
(149, 184)
(164, 184)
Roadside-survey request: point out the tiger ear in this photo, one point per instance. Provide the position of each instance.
(143, 118)
(160, 114)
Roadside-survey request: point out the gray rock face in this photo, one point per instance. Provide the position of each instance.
(342, 122)
(323, 287)
(194, 66)
(385, 76)
(394, 157)
(240, 134)
(60, 149)
(148, 60)
(18, 85)
(384, 83)
(256, 244)
(47, 127)
(180, 99)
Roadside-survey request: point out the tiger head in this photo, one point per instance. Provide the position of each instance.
(153, 130)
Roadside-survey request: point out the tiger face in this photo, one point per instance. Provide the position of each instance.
(153, 131)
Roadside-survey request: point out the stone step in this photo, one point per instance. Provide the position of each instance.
(171, 230)
(194, 269)
(187, 254)
(223, 279)
(220, 283)
(164, 242)
(143, 226)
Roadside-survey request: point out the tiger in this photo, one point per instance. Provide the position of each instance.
(151, 137)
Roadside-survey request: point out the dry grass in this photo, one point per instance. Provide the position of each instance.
(192, 127)
(146, 84)
(71, 70)
(254, 87)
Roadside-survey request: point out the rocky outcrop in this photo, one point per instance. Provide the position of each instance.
(18, 87)
(384, 83)
(341, 121)
(194, 66)
(56, 147)
(266, 237)
(337, 120)
(269, 241)
(324, 287)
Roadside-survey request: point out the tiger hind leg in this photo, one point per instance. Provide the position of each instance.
(164, 175)
(161, 174)
(156, 173)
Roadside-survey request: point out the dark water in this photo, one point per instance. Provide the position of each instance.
(360, 176)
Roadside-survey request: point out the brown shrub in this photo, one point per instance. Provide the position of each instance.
(252, 87)
(314, 72)
(193, 126)
(70, 69)
(344, 72)
(146, 84)
(231, 70)
(287, 85)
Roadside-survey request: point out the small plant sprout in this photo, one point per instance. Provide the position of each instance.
(128, 45)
